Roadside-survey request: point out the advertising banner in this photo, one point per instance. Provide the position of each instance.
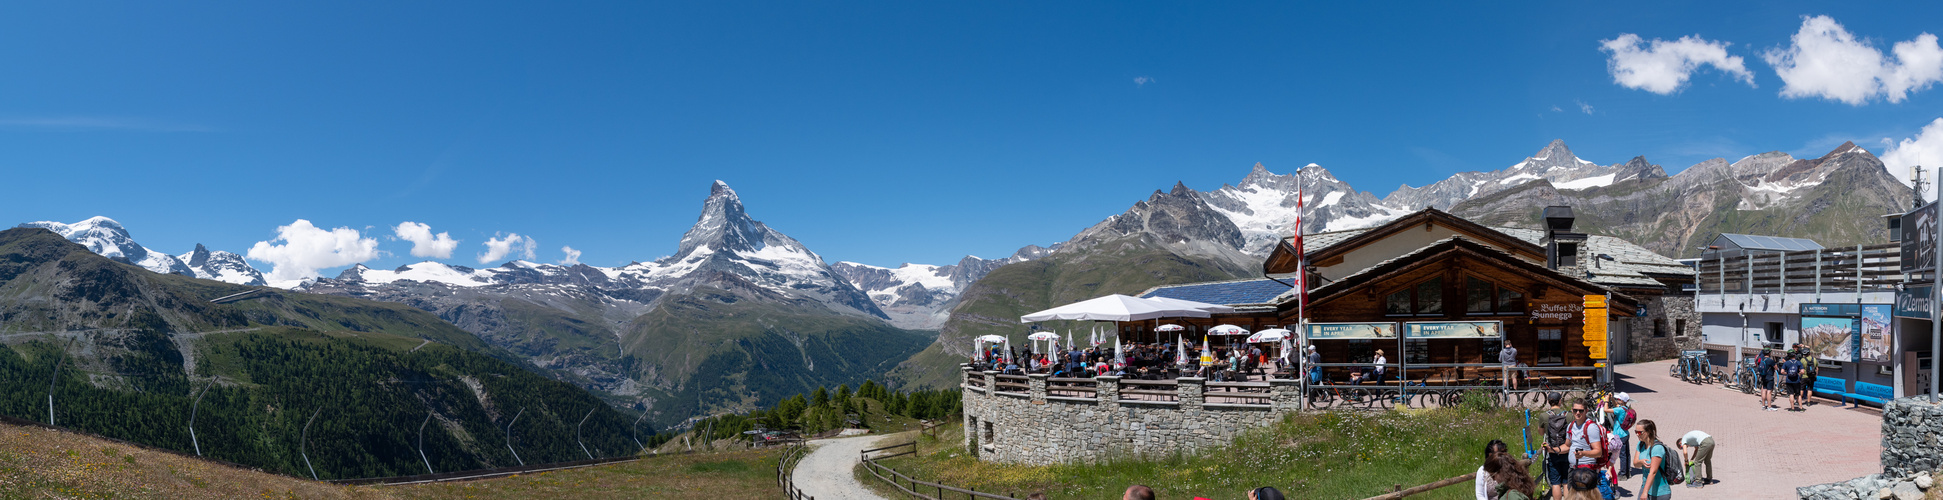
(1328, 331)
(1878, 334)
(1453, 330)
(1919, 239)
(1832, 339)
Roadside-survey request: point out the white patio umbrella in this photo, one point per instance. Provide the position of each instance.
(1269, 335)
(1227, 330)
(1170, 328)
(978, 344)
(1113, 308)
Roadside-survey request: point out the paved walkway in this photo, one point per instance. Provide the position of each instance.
(1760, 454)
(826, 472)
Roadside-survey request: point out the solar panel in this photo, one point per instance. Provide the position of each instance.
(1758, 242)
(1229, 293)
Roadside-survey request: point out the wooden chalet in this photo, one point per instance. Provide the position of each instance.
(1455, 289)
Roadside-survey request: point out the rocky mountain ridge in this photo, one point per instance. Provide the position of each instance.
(920, 296)
(106, 237)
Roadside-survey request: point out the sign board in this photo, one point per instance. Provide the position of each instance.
(1843, 310)
(1595, 326)
(1919, 239)
(1329, 331)
(1913, 302)
(1878, 334)
(1832, 338)
(1454, 330)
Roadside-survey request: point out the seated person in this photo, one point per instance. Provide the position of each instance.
(1356, 377)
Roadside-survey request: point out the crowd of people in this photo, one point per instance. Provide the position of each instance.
(1597, 445)
(1791, 372)
(1142, 361)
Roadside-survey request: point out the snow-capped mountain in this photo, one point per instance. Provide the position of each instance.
(106, 237)
(1263, 205)
(221, 266)
(920, 296)
(1555, 164)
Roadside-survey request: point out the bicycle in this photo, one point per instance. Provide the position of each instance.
(1743, 377)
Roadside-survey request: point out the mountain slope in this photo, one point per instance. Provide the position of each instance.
(1837, 199)
(134, 349)
(673, 337)
(1171, 237)
(106, 237)
(920, 296)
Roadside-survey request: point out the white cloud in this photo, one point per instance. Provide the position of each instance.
(1827, 61)
(1555, 109)
(1142, 81)
(1587, 108)
(306, 248)
(1663, 67)
(1925, 149)
(424, 243)
(498, 248)
(573, 256)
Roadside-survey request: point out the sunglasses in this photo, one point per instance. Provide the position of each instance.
(1578, 410)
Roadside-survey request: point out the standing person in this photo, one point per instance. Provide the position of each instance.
(1810, 371)
(1558, 422)
(1378, 363)
(1622, 420)
(1588, 446)
(1697, 448)
(1487, 488)
(1314, 361)
(1652, 454)
(1509, 358)
(1764, 375)
(1792, 370)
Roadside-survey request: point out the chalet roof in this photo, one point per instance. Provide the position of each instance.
(1773, 243)
(1631, 265)
(1458, 242)
(1227, 293)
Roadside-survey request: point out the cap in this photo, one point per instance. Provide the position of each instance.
(1623, 397)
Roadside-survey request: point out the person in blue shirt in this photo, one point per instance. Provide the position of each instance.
(1791, 371)
(1652, 455)
(1622, 404)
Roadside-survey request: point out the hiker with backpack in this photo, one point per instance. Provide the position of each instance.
(1621, 417)
(1558, 422)
(1657, 461)
(1588, 445)
(1792, 370)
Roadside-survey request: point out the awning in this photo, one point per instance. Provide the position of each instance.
(1114, 307)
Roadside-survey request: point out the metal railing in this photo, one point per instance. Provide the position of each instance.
(1860, 268)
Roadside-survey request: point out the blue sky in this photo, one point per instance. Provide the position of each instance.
(881, 132)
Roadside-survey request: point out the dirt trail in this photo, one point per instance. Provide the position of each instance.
(825, 472)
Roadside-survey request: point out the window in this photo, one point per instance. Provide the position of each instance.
(1568, 254)
(1424, 299)
(1416, 351)
(1484, 297)
(1551, 346)
(1360, 351)
(1774, 332)
(1680, 328)
(988, 431)
(1659, 328)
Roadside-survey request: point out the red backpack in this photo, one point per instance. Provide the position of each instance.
(1605, 458)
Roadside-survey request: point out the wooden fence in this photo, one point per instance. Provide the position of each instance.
(1861, 268)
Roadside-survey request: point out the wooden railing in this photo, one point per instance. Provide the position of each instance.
(1247, 393)
(786, 471)
(913, 487)
(1150, 390)
(1072, 388)
(1013, 383)
(1860, 268)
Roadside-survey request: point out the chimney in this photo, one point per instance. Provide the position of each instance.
(1563, 248)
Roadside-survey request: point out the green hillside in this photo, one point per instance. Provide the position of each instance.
(713, 351)
(134, 349)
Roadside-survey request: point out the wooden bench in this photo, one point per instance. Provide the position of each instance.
(1874, 393)
(1832, 387)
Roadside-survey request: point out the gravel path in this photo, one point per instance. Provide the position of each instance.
(826, 472)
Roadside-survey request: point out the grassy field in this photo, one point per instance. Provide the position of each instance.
(42, 463)
(729, 474)
(1327, 455)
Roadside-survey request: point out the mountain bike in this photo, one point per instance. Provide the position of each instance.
(1742, 378)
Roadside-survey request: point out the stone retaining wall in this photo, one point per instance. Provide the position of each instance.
(1036, 429)
(1911, 430)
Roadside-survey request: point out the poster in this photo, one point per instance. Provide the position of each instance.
(1326, 331)
(1454, 330)
(1877, 334)
(1919, 239)
(1832, 339)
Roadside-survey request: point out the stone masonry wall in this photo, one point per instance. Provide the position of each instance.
(1912, 436)
(1670, 309)
(1035, 429)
